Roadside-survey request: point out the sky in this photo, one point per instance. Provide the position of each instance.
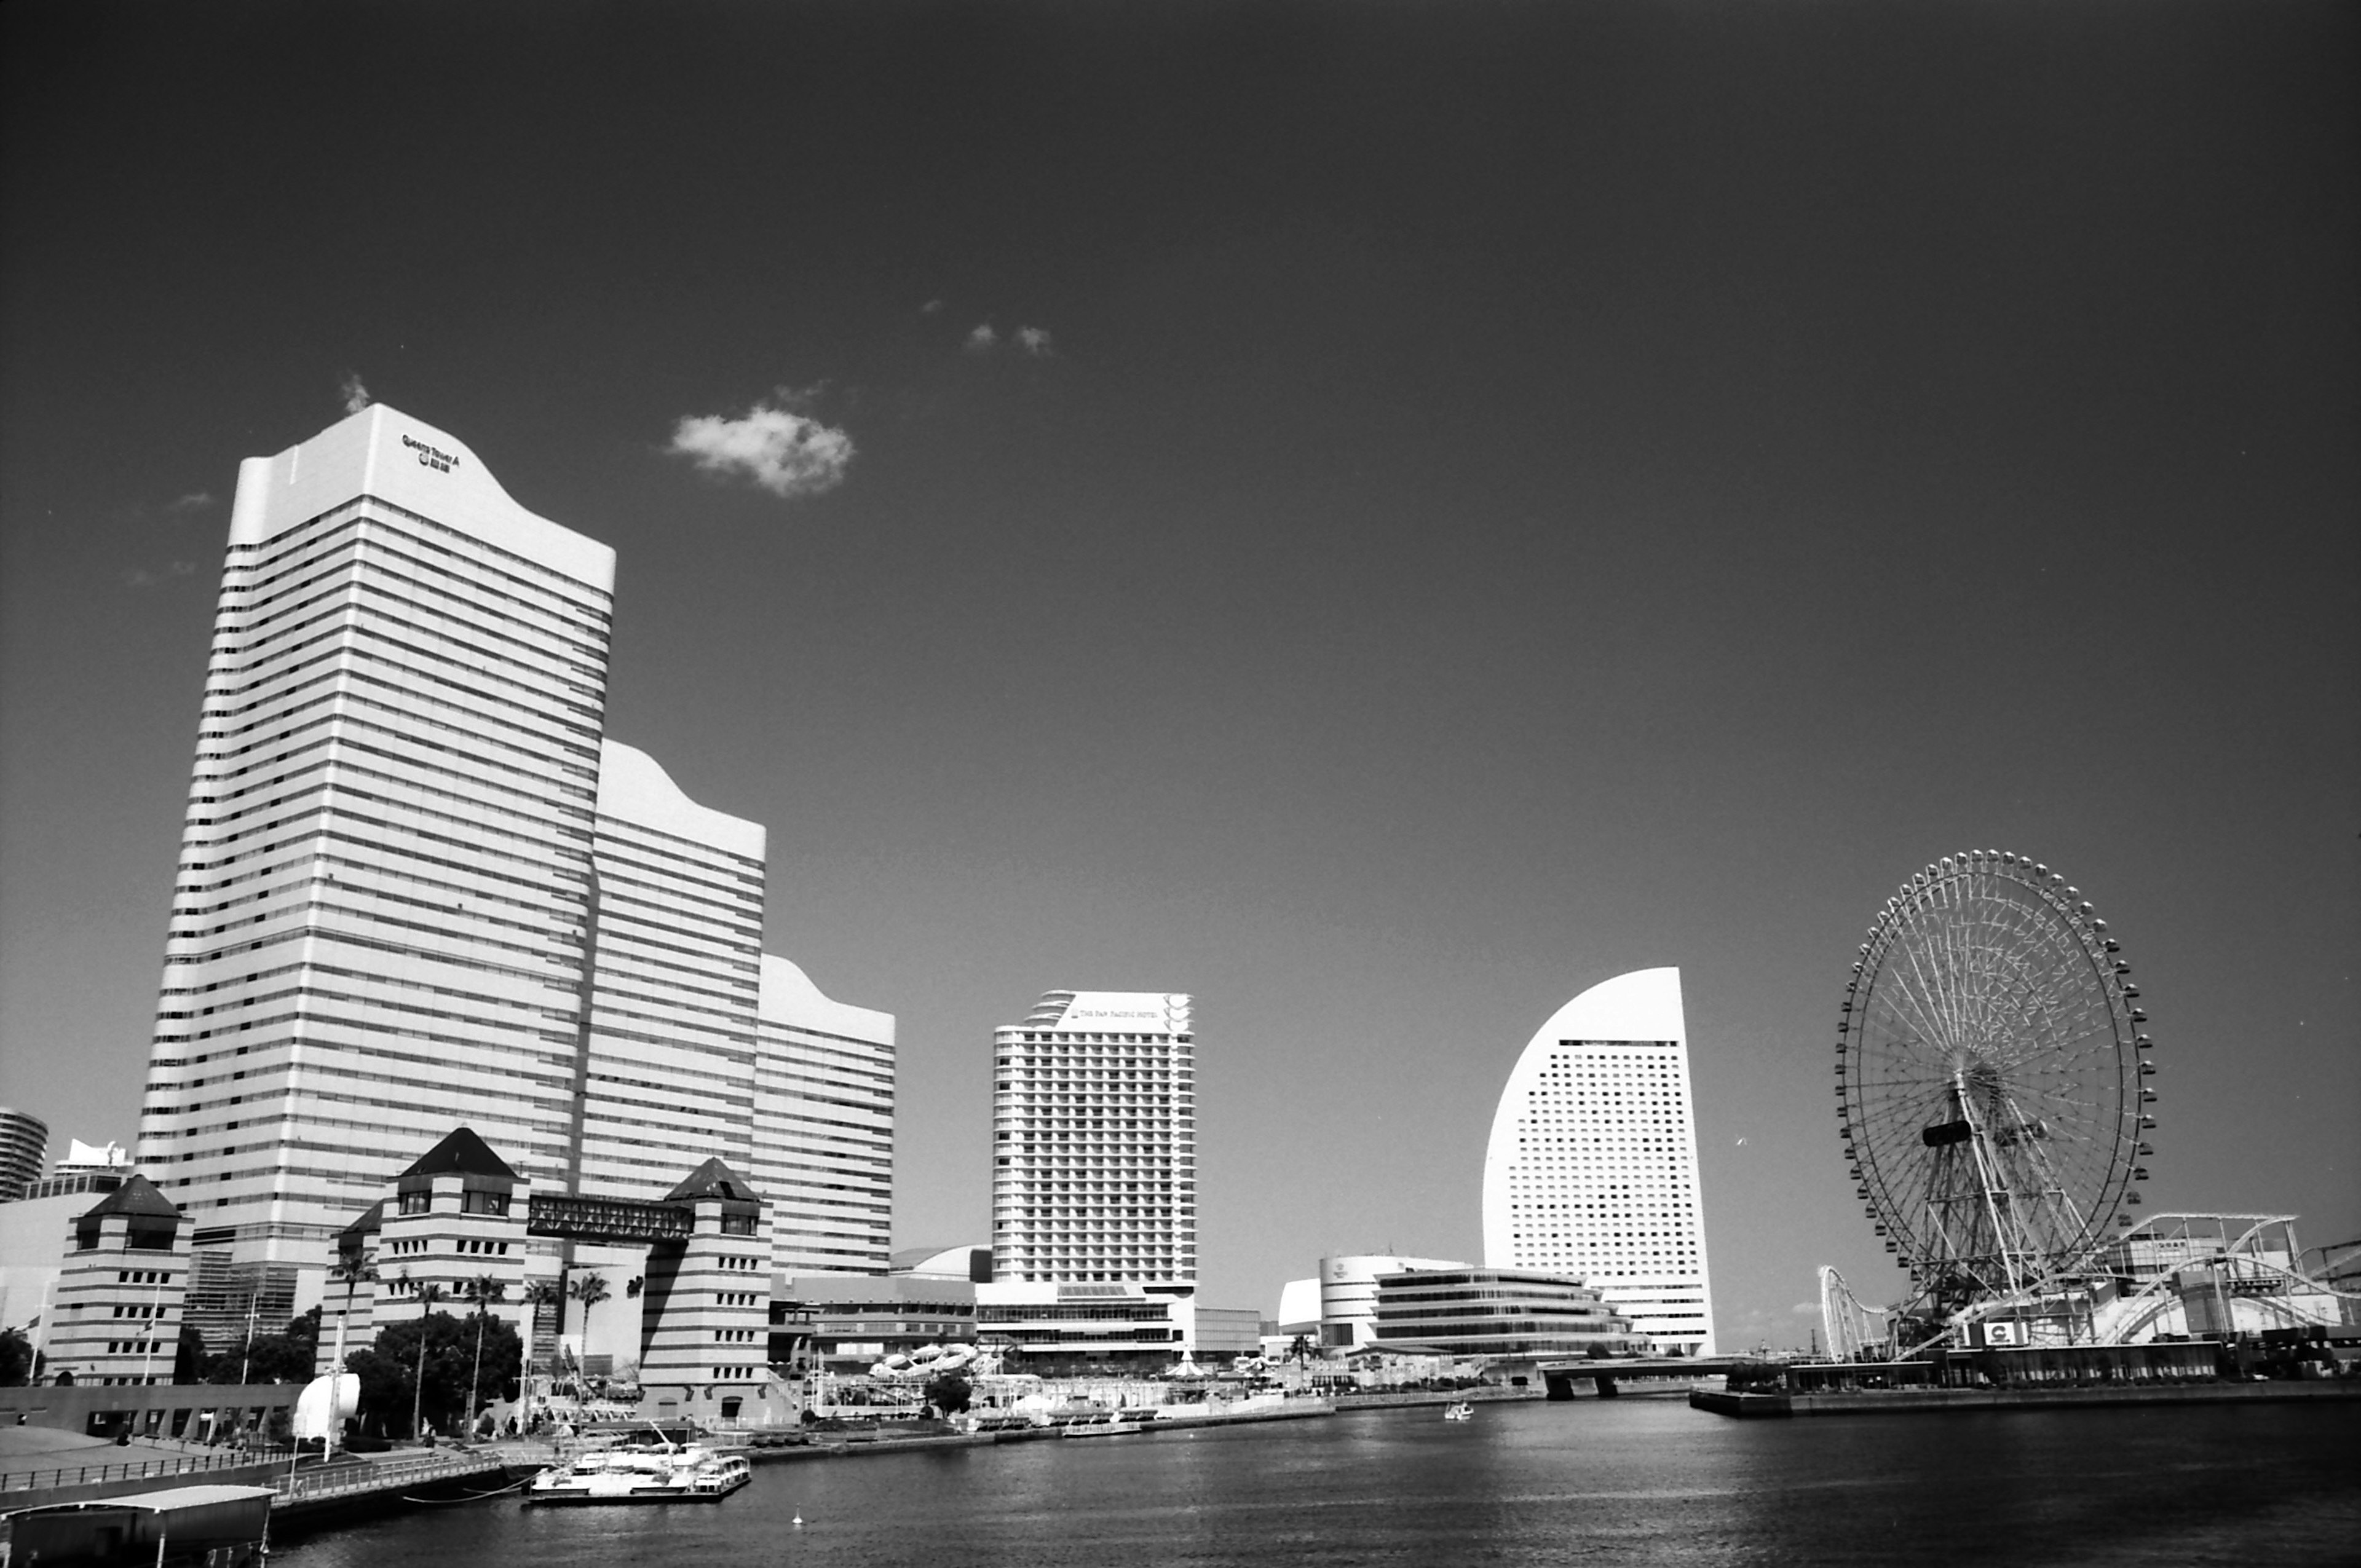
(1380, 517)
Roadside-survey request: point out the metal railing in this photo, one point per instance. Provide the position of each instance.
(380, 1475)
(136, 1469)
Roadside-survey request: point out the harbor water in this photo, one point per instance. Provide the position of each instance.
(1641, 1481)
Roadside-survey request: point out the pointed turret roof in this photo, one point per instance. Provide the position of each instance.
(371, 1221)
(712, 1180)
(137, 1195)
(461, 1151)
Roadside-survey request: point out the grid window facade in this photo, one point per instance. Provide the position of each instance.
(1095, 1145)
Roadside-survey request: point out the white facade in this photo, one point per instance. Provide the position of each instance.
(667, 1069)
(823, 1156)
(380, 924)
(1348, 1294)
(419, 889)
(1592, 1168)
(1094, 1142)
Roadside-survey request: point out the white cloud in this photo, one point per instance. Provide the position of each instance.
(982, 340)
(140, 577)
(1034, 341)
(1805, 1309)
(195, 500)
(930, 307)
(787, 452)
(356, 397)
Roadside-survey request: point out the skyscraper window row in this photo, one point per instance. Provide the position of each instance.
(332, 757)
(565, 886)
(597, 599)
(552, 766)
(273, 661)
(489, 729)
(316, 921)
(409, 554)
(341, 818)
(863, 1079)
(365, 880)
(551, 830)
(632, 904)
(879, 1099)
(339, 589)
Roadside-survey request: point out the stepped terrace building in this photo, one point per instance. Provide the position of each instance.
(1592, 1169)
(420, 888)
(1506, 1314)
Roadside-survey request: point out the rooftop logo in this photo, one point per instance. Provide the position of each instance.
(433, 458)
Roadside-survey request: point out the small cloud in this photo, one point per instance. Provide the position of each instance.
(140, 577)
(1805, 1309)
(982, 340)
(1034, 341)
(356, 396)
(931, 308)
(782, 450)
(195, 500)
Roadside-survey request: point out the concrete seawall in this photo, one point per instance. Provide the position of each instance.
(1926, 1401)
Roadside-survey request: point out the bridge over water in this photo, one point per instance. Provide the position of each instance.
(1561, 1375)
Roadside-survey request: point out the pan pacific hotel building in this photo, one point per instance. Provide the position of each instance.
(420, 888)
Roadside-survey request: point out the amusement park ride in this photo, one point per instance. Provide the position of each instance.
(1992, 1082)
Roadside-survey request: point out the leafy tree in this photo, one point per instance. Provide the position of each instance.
(389, 1369)
(949, 1393)
(15, 1358)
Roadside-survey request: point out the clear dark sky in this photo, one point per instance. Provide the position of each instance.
(1507, 495)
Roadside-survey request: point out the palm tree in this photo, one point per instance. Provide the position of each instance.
(538, 1293)
(483, 1291)
(590, 1290)
(353, 1268)
(428, 1294)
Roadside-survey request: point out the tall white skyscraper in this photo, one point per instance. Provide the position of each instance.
(676, 977)
(1592, 1168)
(823, 1127)
(419, 890)
(1095, 1141)
(381, 922)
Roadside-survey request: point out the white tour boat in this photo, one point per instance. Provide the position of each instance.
(1462, 1411)
(690, 1473)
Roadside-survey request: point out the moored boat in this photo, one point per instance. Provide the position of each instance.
(690, 1473)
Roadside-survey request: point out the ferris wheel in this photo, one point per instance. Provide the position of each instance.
(1991, 1068)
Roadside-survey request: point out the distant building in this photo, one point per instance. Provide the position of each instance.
(848, 1323)
(86, 1167)
(1506, 1314)
(1094, 1184)
(1094, 1142)
(1348, 1294)
(1082, 1330)
(1592, 1168)
(24, 1149)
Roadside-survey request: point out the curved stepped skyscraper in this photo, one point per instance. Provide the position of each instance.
(1592, 1168)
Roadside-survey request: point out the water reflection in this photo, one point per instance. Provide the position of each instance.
(1633, 1481)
